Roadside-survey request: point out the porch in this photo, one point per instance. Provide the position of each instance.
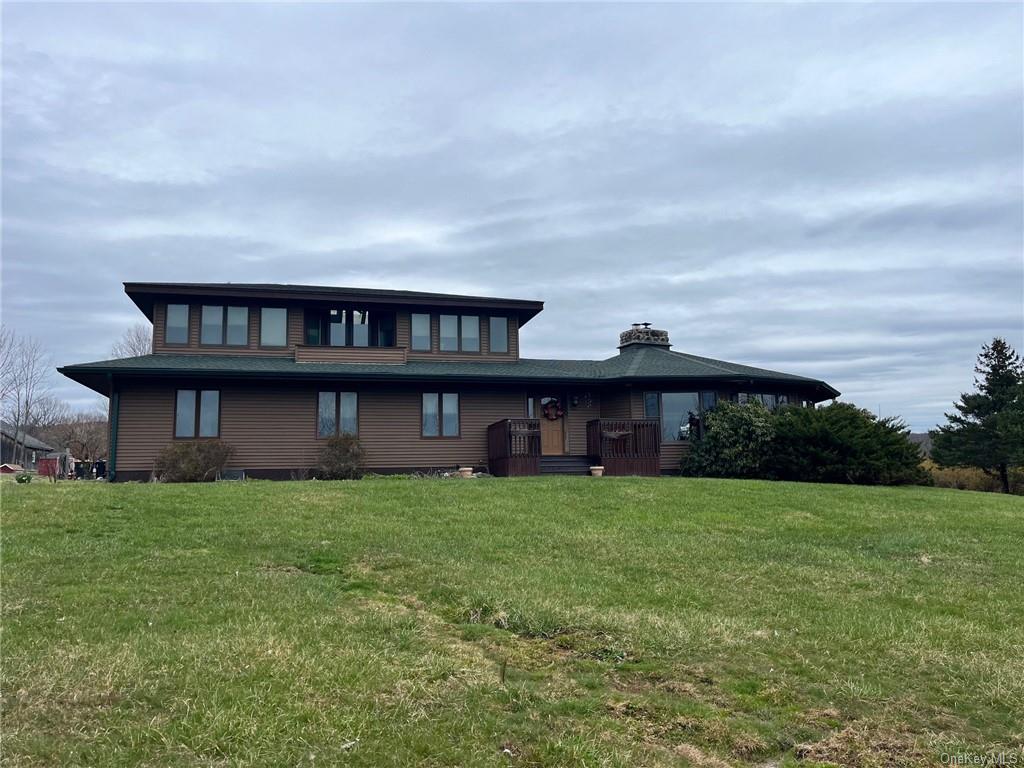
(621, 446)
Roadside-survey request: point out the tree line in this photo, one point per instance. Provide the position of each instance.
(28, 405)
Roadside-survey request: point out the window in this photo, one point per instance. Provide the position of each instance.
(224, 325)
(421, 332)
(470, 333)
(273, 327)
(499, 334)
(440, 414)
(449, 333)
(211, 328)
(238, 326)
(348, 328)
(460, 333)
(337, 328)
(771, 402)
(203, 421)
(674, 410)
(531, 408)
(337, 413)
(176, 328)
(708, 400)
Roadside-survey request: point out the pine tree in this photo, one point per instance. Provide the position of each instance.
(987, 431)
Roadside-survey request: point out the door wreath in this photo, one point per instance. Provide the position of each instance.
(552, 409)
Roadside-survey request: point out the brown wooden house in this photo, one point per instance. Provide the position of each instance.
(425, 380)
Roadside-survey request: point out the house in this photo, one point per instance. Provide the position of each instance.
(11, 442)
(425, 380)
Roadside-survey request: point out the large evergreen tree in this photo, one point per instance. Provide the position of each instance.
(987, 429)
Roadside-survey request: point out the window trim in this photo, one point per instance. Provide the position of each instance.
(440, 416)
(196, 414)
(224, 326)
(287, 317)
(188, 323)
(337, 413)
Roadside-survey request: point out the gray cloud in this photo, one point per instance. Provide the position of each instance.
(826, 189)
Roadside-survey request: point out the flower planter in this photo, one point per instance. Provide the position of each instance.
(465, 471)
(597, 471)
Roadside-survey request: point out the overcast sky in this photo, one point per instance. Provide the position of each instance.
(828, 190)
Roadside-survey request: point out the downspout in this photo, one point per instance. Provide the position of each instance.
(115, 407)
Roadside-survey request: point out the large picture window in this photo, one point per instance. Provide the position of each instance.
(273, 327)
(498, 336)
(337, 414)
(176, 325)
(197, 413)
(675, 410)
(440, 414)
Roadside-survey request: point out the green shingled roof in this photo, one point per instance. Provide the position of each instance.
(635, 363)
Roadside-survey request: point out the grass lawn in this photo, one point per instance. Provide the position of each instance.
(562, 621)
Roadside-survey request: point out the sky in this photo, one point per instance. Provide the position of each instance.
(830, 190)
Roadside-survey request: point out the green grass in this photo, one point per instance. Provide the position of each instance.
(638, 622)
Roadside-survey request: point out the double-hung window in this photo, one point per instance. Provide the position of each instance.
(337, 413)
(197, 413)
(440, 414)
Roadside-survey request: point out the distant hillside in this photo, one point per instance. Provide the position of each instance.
(924, 440)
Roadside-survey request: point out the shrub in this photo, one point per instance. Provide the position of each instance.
(341, 459)
(23, 477)
(735, 443)
(193, 461)
(841, 443)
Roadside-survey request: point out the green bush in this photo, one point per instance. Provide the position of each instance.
(841, 443)
(341, 459)
(23, 477)
(194, 461)
(735, 444)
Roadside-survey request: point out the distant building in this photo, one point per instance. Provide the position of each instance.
(34, 447)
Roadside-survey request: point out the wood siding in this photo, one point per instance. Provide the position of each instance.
(576, 417)
(273, 427)
(379, 355)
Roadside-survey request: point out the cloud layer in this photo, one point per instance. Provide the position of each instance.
(829, 190)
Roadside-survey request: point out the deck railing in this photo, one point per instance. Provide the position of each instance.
(625, 446)
(513, 447)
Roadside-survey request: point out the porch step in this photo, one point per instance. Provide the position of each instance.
(564, 465)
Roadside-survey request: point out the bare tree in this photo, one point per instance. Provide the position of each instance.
(136, 341)
(28, 384)
(84, 434)
(8, 349)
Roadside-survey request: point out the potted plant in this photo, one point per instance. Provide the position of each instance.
(597, 471)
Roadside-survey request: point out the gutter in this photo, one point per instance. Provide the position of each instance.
(115, 409)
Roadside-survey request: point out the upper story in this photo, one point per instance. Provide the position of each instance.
(338, 325)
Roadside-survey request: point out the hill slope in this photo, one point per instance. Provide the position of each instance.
(568, 621)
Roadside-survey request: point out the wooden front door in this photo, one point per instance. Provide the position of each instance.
(552, 431)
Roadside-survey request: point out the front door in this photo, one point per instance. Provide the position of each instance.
(552, 426)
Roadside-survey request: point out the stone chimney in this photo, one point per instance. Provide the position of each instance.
(642, 333)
